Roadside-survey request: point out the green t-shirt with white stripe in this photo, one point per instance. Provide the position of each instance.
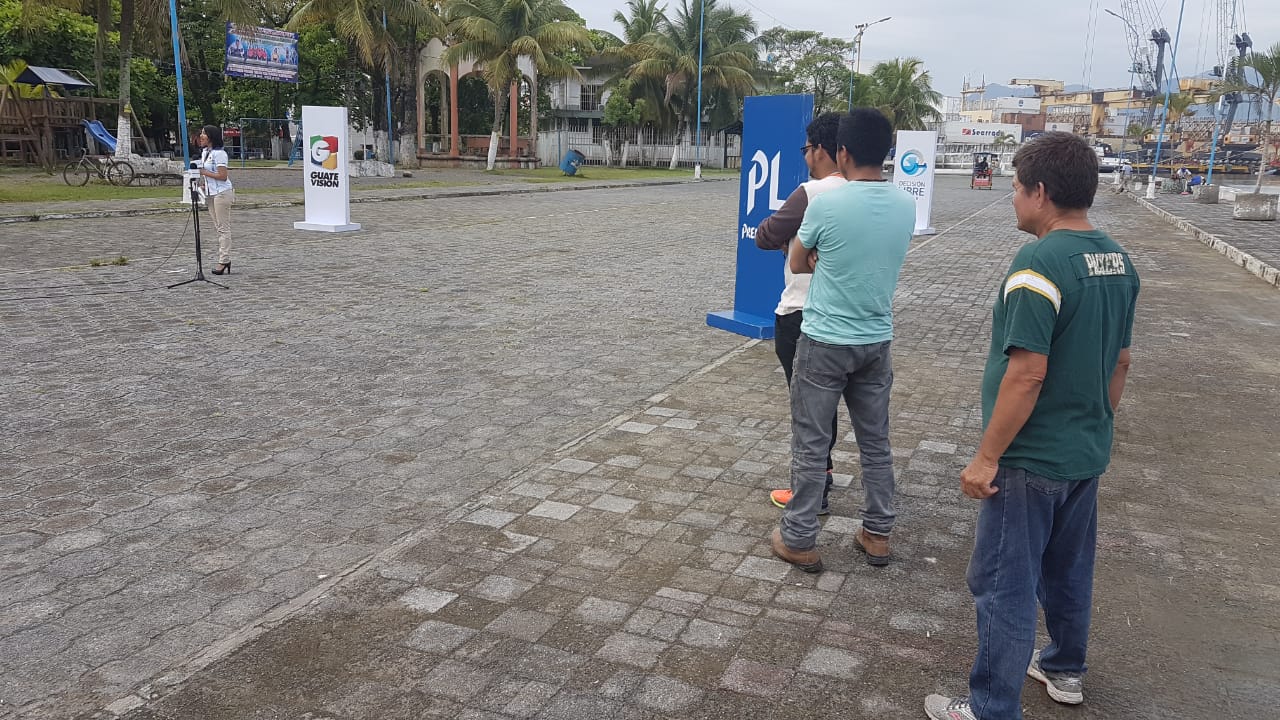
(1071, 296)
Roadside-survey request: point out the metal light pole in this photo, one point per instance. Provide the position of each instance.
(391, 158)
(182, 102)
(857, 53)
(1168, 87)
(702, 19)
(1124, 137)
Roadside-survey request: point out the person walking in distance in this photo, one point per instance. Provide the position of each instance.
(1059, 357)
(218, 191)
(776, 233)
(853, 239)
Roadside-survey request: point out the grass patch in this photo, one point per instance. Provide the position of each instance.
(598, 173)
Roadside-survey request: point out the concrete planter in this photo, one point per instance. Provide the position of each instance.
(1208, 195)
(1255, 206)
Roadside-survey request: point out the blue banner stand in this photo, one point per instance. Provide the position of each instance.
(772, 168)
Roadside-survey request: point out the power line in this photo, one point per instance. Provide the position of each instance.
(771, 16)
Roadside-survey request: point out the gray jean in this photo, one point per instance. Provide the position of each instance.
(863, 375)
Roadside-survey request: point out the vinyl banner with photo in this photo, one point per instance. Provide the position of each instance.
(262, 53)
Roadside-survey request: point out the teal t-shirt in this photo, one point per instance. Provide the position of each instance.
(1071, 296)
(862, 231)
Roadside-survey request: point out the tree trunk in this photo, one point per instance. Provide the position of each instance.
(675, 147)
(496, 136)
(124, 133)
(1262, 161)
(103, 11)
(626, 147)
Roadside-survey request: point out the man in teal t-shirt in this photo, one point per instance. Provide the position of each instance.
(853, 239)
(1060, 336)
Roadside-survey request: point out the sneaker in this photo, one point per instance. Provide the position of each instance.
(806, 560)
(783, 496)
(1066, 688)
(939, 707)
(876, 546)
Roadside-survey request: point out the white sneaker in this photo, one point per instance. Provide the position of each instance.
(940, 707)
(1065, 688)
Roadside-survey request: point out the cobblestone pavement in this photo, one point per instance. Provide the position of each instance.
(519, 477)
(1259, 239)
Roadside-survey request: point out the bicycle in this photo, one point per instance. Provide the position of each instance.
(116, 172)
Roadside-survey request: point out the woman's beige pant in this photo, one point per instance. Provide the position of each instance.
(220, 212)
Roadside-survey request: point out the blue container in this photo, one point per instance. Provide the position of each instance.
(572, 159)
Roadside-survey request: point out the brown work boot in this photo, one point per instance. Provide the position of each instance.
(806, 560)
(874, 545)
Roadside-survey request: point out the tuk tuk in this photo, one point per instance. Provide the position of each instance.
(984, 164)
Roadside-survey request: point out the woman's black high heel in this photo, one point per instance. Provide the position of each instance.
(223, 268)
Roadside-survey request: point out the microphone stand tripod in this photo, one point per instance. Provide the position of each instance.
(195, 223)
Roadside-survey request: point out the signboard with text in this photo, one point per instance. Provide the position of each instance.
(913, 171)
(773, 133)
(261, 53)
(326, 184)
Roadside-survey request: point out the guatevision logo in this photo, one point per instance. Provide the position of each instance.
(324, 151)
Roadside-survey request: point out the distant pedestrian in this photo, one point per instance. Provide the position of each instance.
(776, 233)
(1056, 369)
(853, 239)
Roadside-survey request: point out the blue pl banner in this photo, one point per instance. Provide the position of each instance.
(261, 53)
(772, 167)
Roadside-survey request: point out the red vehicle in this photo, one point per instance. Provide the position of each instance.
(984, 165)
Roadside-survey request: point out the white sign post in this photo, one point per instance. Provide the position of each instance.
(913, 171)
(326, 183)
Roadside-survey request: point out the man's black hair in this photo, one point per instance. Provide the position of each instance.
(866, 134)
(1065, 163)
(822, 132)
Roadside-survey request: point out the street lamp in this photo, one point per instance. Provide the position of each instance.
(1124, 132)
(857, 53)
(697, 165)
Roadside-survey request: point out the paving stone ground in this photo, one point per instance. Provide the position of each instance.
(1259, 239)
(485, 460)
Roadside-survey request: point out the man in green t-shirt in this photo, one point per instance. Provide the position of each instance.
(1060, 336)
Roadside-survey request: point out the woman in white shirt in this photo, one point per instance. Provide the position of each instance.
(218, 191)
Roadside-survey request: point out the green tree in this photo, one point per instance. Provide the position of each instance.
(622, 116)
(645, 16)
(805, 61)
(667, 58)
(1266, 86)
(497, 33)
(903, 90)
(49, 36)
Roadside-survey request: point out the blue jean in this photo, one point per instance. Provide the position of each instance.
(1035, 540)
(824, 373)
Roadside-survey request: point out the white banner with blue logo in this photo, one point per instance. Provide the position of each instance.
(772, 168)
(326, 183)
(913, 171)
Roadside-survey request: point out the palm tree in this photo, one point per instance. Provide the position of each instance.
(1267, 88)
(359, 22)
(497, 33)
(646, 17)
(667, 58)
(903, 90)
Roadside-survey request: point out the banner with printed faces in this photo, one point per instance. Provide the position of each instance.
(773, 166)
(262, 53)
(913, 170)
(325, 181)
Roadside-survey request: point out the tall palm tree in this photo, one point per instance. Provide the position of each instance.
(1267, 88)
(668, 58)
(903, 90)
(497, 33)
(646, 16)
(359, 22)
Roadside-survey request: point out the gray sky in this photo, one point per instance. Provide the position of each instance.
(1002, 39)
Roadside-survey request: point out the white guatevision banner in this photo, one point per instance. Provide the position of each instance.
(325, 181)
(913, 171)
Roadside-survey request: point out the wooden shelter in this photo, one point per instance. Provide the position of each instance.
(41, 118)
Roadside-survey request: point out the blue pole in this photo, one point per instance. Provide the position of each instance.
(182, 101)
(391, 158)
(701, 21)
(1168, 87)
